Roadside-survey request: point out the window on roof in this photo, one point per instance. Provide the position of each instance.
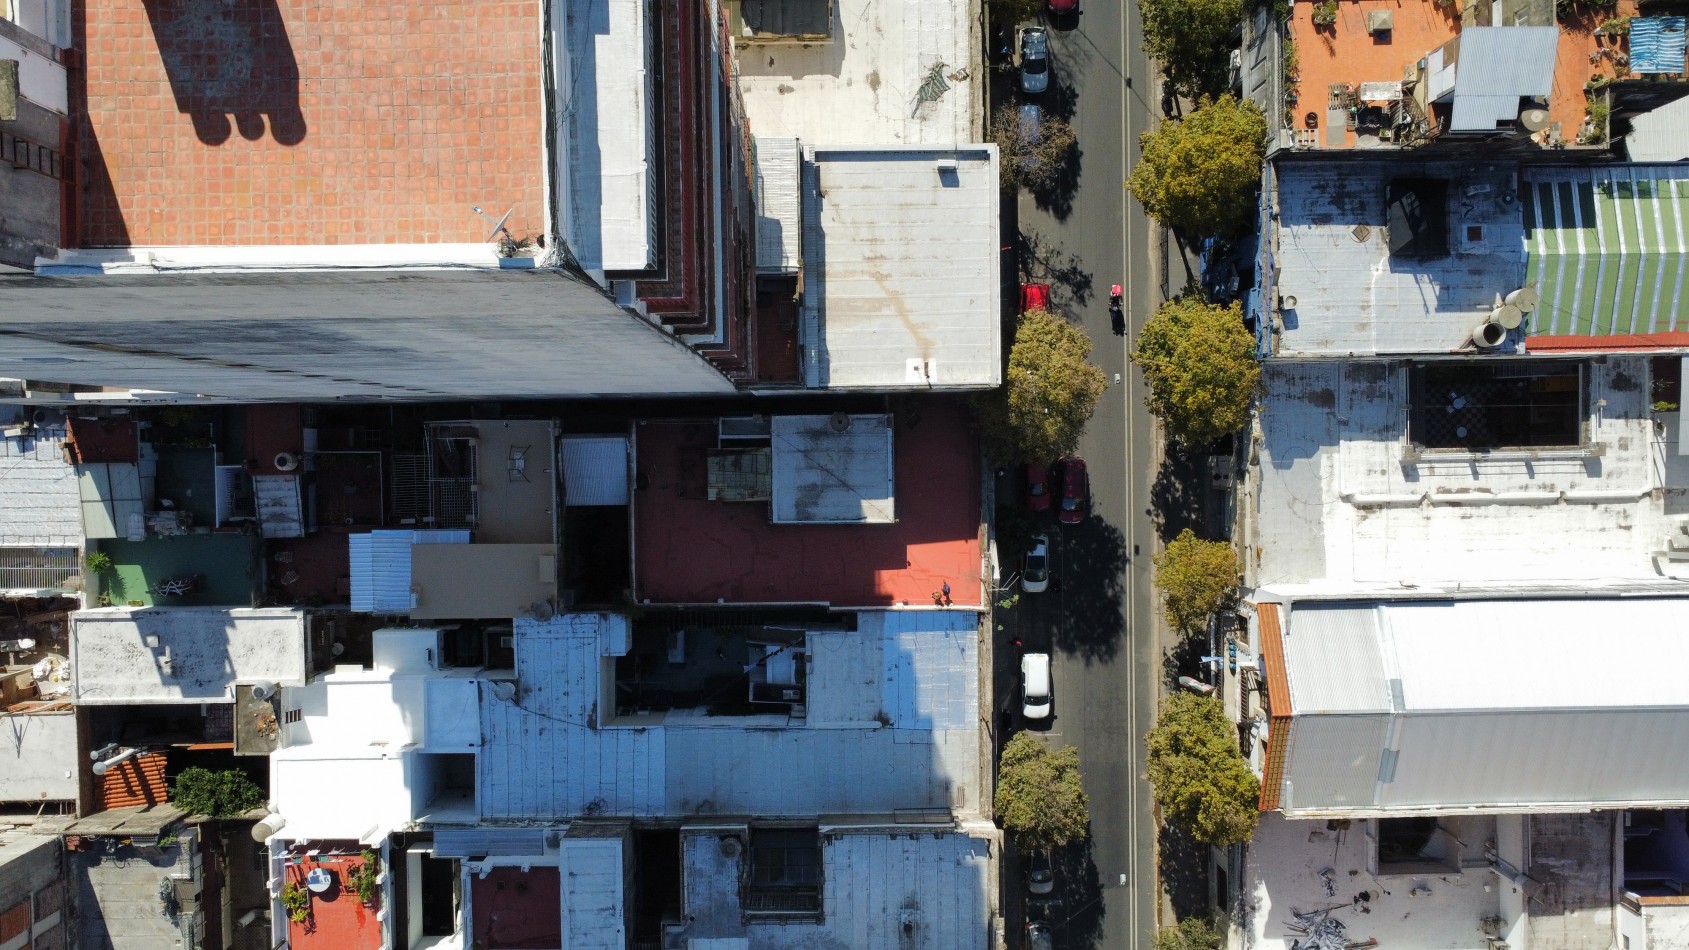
(785, 872)
(1481, 406)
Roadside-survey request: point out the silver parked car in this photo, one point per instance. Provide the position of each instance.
(1035, 573)
(1034, 60)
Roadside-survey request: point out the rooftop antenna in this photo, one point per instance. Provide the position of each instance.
(498, 226)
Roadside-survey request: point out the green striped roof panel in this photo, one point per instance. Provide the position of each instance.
(1607, 248)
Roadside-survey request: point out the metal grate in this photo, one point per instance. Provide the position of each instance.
(38, 568)
(410, 486)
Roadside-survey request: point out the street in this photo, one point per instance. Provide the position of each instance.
(1081, 236)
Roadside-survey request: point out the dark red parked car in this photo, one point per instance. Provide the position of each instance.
(1034, 297)
(1037, 487)
(1075, 491)
(1059, 7)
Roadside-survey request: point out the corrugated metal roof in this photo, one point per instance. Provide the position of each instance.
(779, 217)
(901, 259)
(1606, 246)
(1661, 135)
(594, 912)
(1335, 661)
(595, 470)
(479, 842)
(834, 469)
(1496, 67)
(1657, 44)
(1496, 703)
(39, 502)
(381, 566)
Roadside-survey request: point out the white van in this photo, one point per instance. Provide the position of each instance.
(1035, 685)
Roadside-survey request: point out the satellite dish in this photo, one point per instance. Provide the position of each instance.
(1533, 120)
(1525, 298)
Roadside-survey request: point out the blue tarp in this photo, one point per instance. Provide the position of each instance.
(1657, 44)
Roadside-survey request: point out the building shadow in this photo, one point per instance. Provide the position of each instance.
(230, 61)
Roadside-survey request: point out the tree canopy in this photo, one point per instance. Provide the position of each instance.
(1048, 395)
(1198, 175)
(1196, 578)
(1191, 41)
(215, 794)
(1192, 933)
(1029, 157)
(1040, 796)
(1199, 362)
(1015, 11)
(1201, 781)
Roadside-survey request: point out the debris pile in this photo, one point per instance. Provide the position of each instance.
(1318, 930)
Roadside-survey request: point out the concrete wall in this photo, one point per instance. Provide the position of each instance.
(31, 868)
(29, 215)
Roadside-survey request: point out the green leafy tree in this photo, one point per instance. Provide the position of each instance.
(1040, 796)
(1192, 933)
(1191, 41)
(1029, 157)
(1198, 175)
(1200, 779)
(1196, 578)
(1048, 396)
(1199, 362)
(1015, 11)
(219, 794)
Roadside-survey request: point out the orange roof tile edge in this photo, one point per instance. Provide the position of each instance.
(1671, 339)
(1278, 705)
(138, 781)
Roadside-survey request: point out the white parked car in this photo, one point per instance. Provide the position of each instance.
(1035, 569)
(1034, 60)
(1035, 700)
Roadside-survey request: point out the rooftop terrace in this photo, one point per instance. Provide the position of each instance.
(286, 122)
(689, 549)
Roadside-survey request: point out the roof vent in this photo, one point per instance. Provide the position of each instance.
(1488, 335)
(1533, 120)
(730, 847)
(1525, 298)
(286, 461)
(839, 422)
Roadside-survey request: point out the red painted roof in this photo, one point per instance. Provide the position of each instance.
(518, 910)
(1666, 340)
(688, 549)
(338, 921)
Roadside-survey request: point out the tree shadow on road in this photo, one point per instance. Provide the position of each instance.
(1077, 921)
(1184, 871)
(1039, 262)
(1178, 495)
(1056, 197)
(1092, 625)
(1183, 658)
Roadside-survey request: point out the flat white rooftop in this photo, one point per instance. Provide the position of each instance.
(1340, 502)
(833, 469)
(901, 260)
(604, 131)
(864, 83)
(1353, 297)
(183, 654)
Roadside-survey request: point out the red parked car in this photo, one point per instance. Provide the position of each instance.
(1034, 297)
(1075, 491)
(1059, 7)
(1037, 487)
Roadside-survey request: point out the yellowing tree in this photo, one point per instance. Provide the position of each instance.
(1200, 779)
(1048, 395)
(1191, 41)
(1029, 157)
(1198, 175)
(1196, 578)
(1040, 794)
(1199, 362)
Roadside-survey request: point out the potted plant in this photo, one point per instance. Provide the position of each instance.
(362, 879)
(297, 901)
(1325, 13)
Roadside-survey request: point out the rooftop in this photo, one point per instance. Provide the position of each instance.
(1449, 475)
(905, 711)
(39, 760)
(183, 654)
(1388, 73)
(688, 549)
(1606, 248)
(39, 502)
(900, 250)
(279, 122)
(1361, 277)
(833, 469)
(864, 81)
(1450, 895)
(1391, 701)
(337, 919)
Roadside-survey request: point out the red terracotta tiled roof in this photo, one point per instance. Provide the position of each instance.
(1278, 704)
(136, 781)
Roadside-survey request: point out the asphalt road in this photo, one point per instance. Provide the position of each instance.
(1082, 236)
